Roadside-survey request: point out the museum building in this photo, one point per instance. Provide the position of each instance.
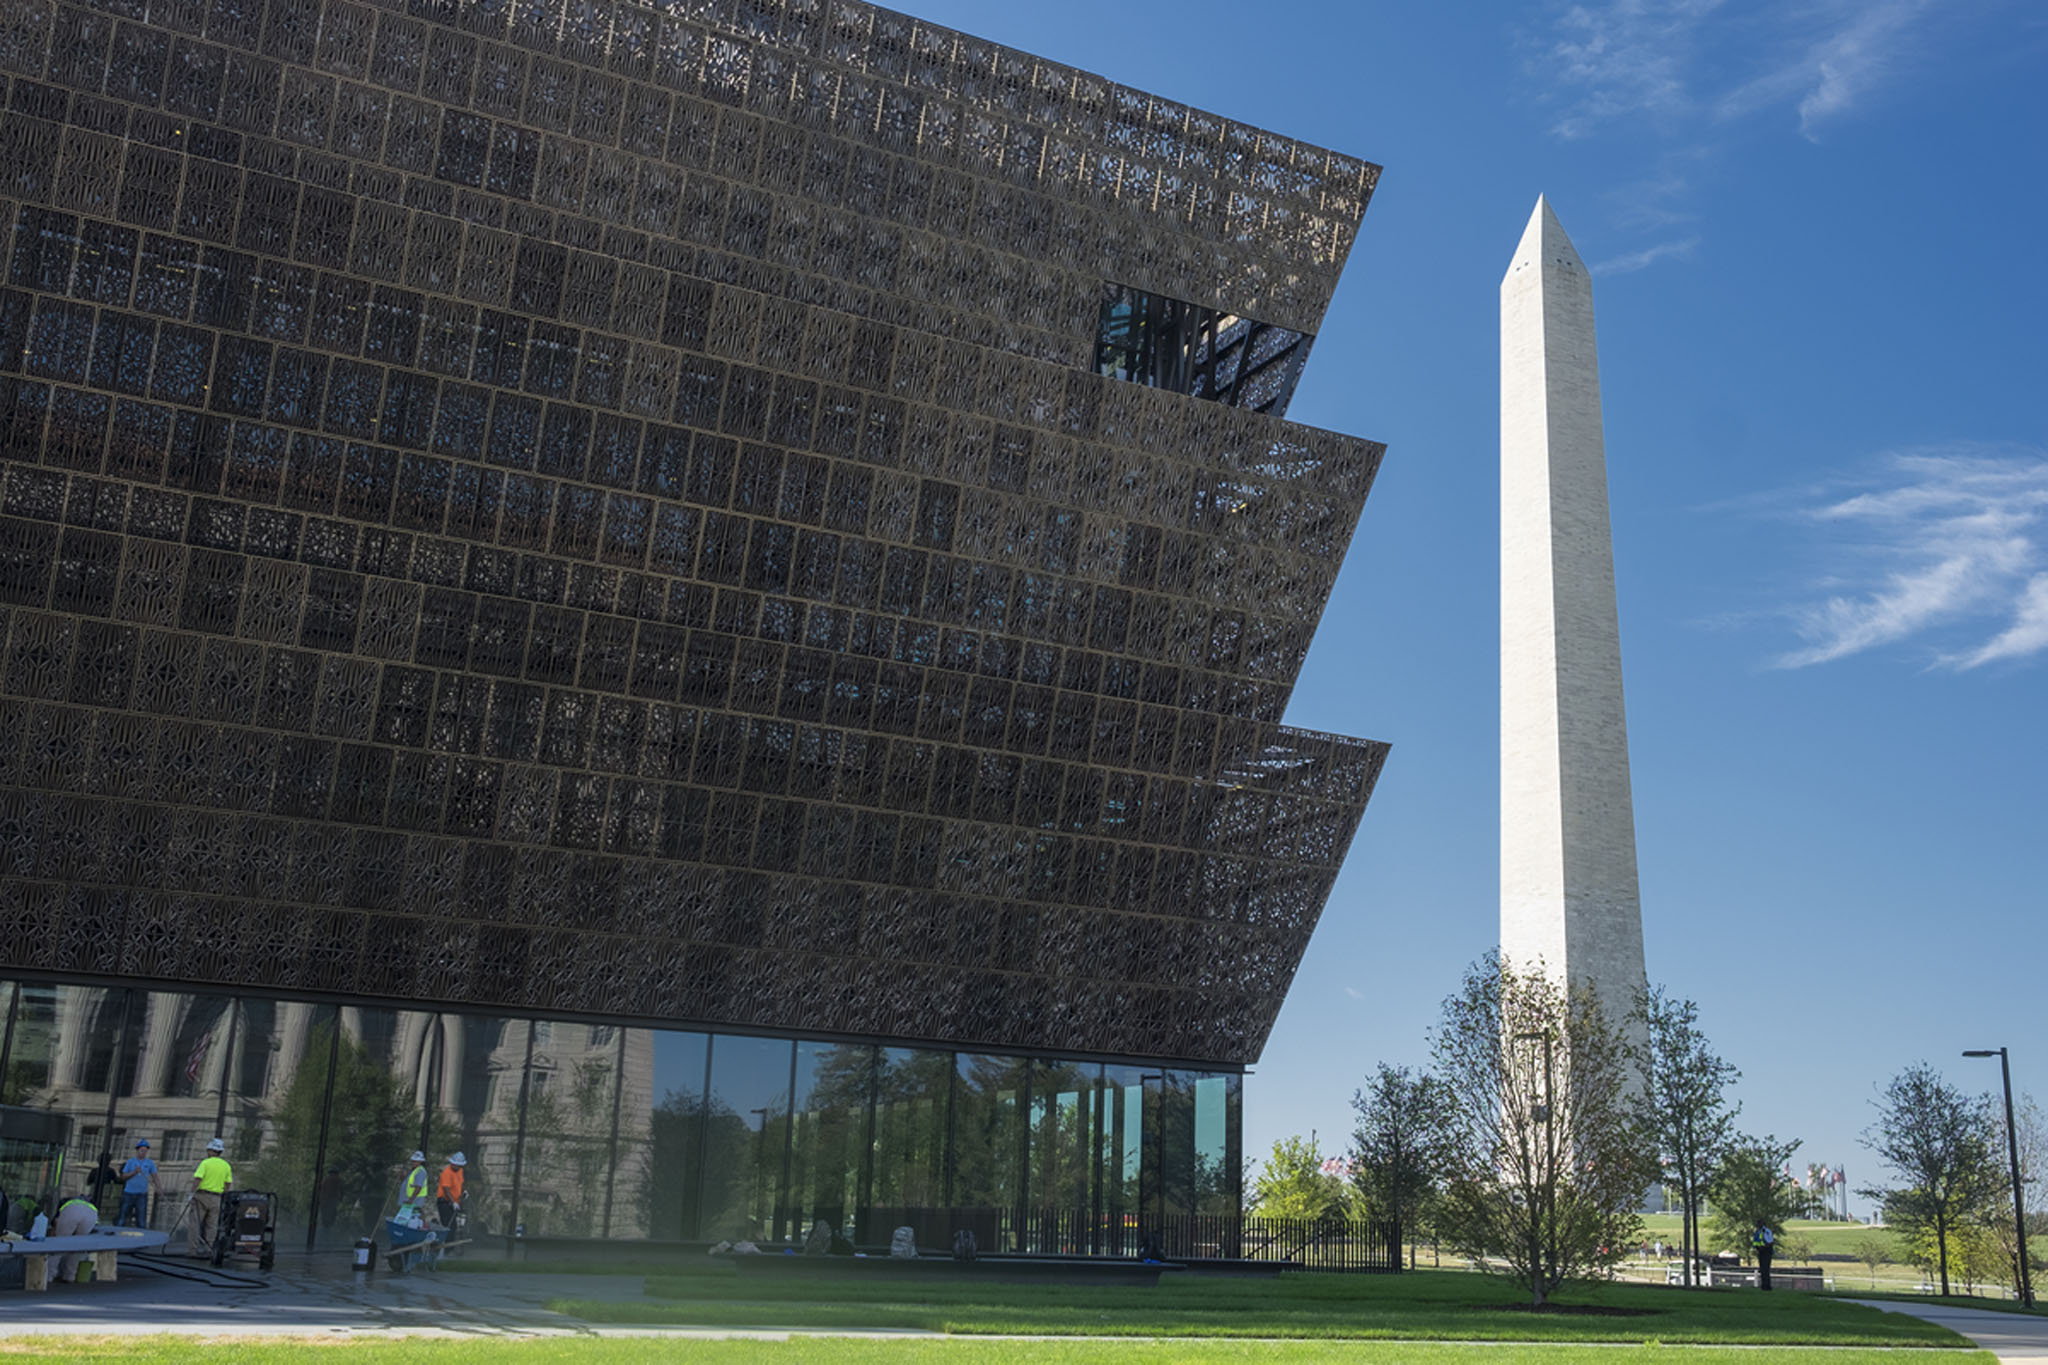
(695, 601)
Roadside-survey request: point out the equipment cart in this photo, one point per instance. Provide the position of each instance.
(415, 1248)
(248, 1228)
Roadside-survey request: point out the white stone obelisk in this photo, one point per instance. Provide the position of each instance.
(1568, 892)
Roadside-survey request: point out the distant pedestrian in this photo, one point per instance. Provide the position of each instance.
(102, 1176)
(138, 1183)
(1763, 1242)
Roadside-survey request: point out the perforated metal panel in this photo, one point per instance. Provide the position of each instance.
(578, 507)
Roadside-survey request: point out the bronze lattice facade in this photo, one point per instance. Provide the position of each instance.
(771, 516)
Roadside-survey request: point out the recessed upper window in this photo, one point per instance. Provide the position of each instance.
(1185, 347)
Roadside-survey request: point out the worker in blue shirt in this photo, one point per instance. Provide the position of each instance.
(138, 1175)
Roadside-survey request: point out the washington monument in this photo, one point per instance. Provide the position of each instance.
(1568, 894)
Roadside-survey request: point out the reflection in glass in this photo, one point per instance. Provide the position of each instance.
(570, 1096)
(279, 1112)
(657, 1189)
(1063, 1143)
(583, 1130)
(65, 1053)
(834, 1084)
(478, 1112)
(1186, 348)
(913, 1095)
(373, 1118)
(988, 1146)
(746, 1138)
(1123, 1157)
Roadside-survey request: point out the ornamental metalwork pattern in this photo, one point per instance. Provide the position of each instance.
(589, 508)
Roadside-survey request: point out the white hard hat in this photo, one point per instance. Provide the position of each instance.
(216, 1146)
(458, 1160)
(419, 1156)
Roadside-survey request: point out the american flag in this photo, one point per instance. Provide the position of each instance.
(197, 1060)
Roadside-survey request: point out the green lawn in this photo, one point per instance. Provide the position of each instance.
(1441, 1306)
(855, 1351)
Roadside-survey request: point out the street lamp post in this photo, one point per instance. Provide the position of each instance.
(2012, 1149)
(761, 1165)
(1543, 1111)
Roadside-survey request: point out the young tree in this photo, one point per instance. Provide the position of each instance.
(1683, 1105)
(1750, 1191)
(1401, 1146)
(1293, 1183)
(1938, 1143)
(1546, 1162)
(1873, 1252)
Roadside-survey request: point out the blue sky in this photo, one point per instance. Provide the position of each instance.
(1814, 228)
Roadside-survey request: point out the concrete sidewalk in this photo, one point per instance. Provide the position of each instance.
(305, 1294)
(2018, 1338)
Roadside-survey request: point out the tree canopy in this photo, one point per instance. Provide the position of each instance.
(1547, 1161)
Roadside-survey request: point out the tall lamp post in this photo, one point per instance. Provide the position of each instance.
(2012, 1148)
(761, 1165)
(1543, 1111)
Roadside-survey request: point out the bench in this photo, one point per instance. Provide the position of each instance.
(103, 1244)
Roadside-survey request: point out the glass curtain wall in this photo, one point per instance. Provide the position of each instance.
(835, 1089)
(912, 1119)
(580, 1130)
(746, 1139)
(990, 1190)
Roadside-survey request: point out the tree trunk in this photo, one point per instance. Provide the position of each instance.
(1941, 1249)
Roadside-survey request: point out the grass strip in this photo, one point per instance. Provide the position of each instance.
(1422, 1306)
(174, 1350)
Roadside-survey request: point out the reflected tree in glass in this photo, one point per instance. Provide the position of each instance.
(569, 1107)
(372, 1124)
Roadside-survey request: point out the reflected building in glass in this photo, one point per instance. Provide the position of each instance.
(693, 600)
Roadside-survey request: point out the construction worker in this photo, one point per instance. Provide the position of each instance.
(448, 1190)
(412, 1191)
(138, 1174)
(211, 1179)
(75, 1217)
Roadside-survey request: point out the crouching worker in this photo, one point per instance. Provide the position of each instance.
(75, 1217)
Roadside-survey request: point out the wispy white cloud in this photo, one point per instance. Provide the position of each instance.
(1622, 58)
(2028, 634)
(1637, 260)
(1947, 544)
(1354, 992)
(1686, 61)
(1688, 71)
(1828, 61)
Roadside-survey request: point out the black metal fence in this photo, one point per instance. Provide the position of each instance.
(1303, 1243)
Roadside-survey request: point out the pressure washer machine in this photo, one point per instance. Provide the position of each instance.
(248, 1228)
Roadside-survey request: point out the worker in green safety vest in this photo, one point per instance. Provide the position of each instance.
(414, 1189)
(76, 1216)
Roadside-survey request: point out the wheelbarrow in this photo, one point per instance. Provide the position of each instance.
(415, 1248)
